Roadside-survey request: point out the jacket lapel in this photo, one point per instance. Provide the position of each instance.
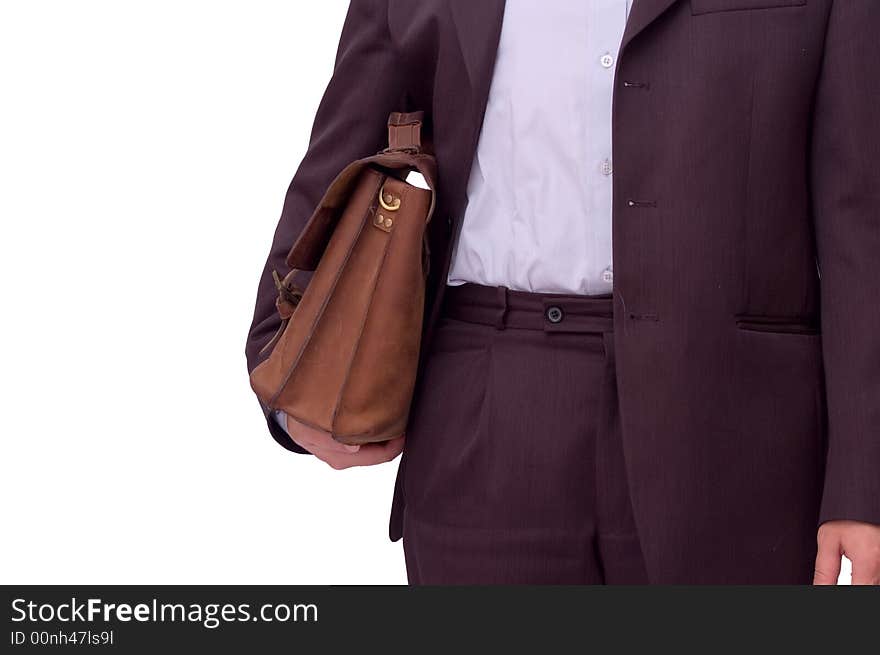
(478, 28)
(642, 14)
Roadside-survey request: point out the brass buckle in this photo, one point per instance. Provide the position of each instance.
(388, 202)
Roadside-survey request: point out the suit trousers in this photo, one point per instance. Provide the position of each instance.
(513, 471)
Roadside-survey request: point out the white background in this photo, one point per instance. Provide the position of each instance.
(145, 150)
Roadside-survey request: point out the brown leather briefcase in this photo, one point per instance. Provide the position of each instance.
(344, 359)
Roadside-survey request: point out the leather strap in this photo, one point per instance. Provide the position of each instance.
(405, 130)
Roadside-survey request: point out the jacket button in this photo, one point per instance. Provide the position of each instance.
(554, 314)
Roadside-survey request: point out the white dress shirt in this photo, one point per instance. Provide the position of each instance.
(538, 216)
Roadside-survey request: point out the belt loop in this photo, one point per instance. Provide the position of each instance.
(501, 319)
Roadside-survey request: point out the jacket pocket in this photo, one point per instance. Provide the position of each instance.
(797, 325)
(713, 6)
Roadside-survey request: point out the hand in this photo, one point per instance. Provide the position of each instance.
(860, 542)
(340, 456)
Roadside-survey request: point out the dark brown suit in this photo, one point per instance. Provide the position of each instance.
(747, 159)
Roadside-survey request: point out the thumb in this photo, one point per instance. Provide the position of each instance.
(827, 561)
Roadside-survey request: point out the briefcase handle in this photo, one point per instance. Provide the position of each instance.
(405, 132)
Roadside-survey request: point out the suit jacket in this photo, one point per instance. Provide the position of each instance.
(746, 248)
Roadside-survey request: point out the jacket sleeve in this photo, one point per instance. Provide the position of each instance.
(365, 88)
(845, 177)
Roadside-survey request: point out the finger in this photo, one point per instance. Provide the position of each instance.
(378, 453)
(827, 562)
(311, 438)
(865, 570)
(369, 455)
(332, 446)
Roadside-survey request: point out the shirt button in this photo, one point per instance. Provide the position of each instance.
(554, 314)
(608, 275)
(607, 60)
(606, 167)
